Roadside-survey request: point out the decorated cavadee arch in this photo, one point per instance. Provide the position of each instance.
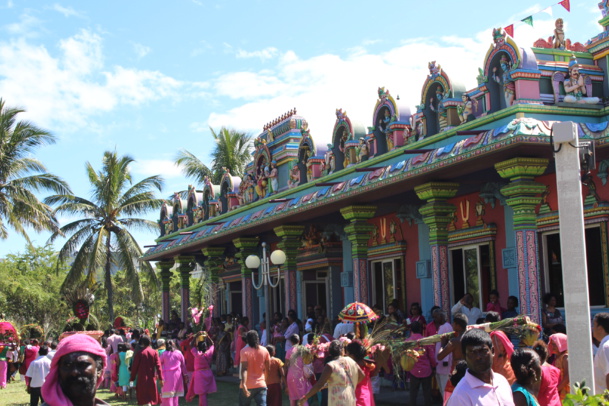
(166, 219)
(195, 209)
(229, 191)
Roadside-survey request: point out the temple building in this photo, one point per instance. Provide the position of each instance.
(415, 206)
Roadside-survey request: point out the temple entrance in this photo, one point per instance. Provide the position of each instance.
(315, 291)
(235, 298)
(594, 259)
(471, 273)
(388, 283)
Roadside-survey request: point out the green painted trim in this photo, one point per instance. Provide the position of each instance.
(562, 53)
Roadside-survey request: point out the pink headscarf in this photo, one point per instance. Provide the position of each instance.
(560, 341)
(505, 341)
(51, 390)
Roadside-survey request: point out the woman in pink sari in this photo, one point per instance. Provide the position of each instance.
(174, 372)
(363, 390)
(203, 381)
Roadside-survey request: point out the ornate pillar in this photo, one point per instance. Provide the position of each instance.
(184, 268)
(247, 246)
(437, 213)
(213, 263)
(289, 243)
(358, 233)
(523, 195)
(165, 274)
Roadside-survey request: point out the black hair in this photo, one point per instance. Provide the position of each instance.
(417, 305)
(104, 342)
(514, 298)
(170, 345)
(416, 327)
(43, 350)
(492, 317)
(202, 346)
(271, 349)
(356, 349)
(602, 319)
(475, 337)
(460, 370)
(494, 292)
(433, 309)
(122, 347)
(294, 339)
(541, 348)
(144, 341)
(461, 320)
(252, 339)
(547, 297)
(350, 335)
(523, 360)
(54, 345)
(112, 331)
(559, 328)
(334, 351)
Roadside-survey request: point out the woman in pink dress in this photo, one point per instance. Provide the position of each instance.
(363, 390)
(203, 381)
(174, 372)
(299, 373)
(240, 340)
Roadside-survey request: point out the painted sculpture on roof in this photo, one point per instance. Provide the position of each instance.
(575, 86)
(385, 113)
(503, 76)
(194, 206)
(342, 134)
(559, 40)
(329, 160)
(466, 110)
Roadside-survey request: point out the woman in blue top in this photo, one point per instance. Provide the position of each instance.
(527, 369)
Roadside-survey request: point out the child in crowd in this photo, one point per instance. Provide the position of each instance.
(275, 380)
(493, 305)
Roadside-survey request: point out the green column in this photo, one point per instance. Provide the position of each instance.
(290, 236)
(184, 267)
(164, 268)
(437, 214)
(214, 259)
(523, 195)
(358, 232)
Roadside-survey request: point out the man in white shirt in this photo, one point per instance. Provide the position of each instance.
(480, 386)
(114, 340)
(600, 331)
(37, 372)
(53, 350)
(466, 306)
(342, 329)
(292, 329)
(443, 367)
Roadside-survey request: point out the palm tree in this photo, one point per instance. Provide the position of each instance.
(21, 175)
(102, 238)
(232, 151)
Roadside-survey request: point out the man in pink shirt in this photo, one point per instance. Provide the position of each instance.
(255, 363)
(422, 371)
(480, 386)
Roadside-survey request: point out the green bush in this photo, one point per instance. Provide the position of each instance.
(581, 397)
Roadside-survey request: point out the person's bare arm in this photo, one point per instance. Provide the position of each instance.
(244, 379)
(325, 375)
(565, 375)
(446, 351)
(519, 399)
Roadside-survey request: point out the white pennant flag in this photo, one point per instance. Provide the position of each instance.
(547, 10)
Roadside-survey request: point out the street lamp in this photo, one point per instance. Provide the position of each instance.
(264, 279)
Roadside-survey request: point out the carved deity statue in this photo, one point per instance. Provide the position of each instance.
(434, 70)
(466, 110)
(575, 86)
(437, 106)
(261, 182)
(271, 176)
(505, 79)
(363, 151)
(330, 160)
(559, 35)
(294, 179)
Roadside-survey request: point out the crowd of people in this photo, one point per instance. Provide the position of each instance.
(315, 361)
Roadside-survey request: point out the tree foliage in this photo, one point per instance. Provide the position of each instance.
(22, 175)
(100, 240)
(29, 289)
(232, 150)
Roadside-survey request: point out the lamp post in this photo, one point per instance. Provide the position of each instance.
(277, 257)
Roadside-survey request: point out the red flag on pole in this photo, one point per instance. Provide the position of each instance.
(510, 29)
(566, 4)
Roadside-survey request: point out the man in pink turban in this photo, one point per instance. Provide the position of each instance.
(76, 372)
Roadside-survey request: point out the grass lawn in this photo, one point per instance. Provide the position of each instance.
(227, 395)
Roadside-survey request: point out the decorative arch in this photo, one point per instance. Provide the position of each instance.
(385, 112)
(194, 206)
(343, 131)
(166, 218)
(503, 46)
(436, 89)
(209, 194)
(306, 150)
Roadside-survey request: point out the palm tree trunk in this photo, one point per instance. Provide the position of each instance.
(108, 279)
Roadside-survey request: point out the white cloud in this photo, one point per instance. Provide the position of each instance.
(262, 54)
(69, 88)
(151, 167)
(9, 4)
(66, 11)
(25, 27)
(141, 50)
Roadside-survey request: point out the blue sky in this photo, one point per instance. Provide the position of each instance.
(148, 78)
